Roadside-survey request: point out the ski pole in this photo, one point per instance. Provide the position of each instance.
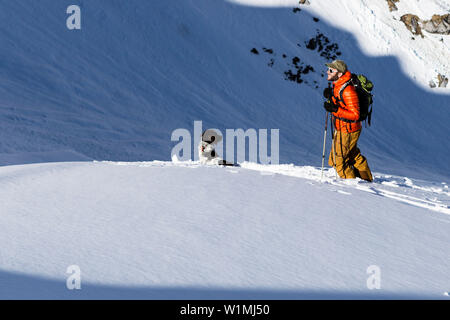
(333, 146)
(324, 142)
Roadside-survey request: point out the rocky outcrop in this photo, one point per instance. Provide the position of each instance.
(324, 46)
(442, 81)
(438, 24)
(391, 4)
(304, 2)
(412, 22)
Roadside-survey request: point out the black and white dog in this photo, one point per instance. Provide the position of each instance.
(206, 149)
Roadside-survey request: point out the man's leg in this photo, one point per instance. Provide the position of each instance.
(357, 160)
(341, 148)
(361, 165)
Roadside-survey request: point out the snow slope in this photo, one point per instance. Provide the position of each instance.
(160, 230)
(136, 71)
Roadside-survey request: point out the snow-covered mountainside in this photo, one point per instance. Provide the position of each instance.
(138, 225)
(160, 230)
(136, 71)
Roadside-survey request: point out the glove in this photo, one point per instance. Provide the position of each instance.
(327, 93)
(330, 106)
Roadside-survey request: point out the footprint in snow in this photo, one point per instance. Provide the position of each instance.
(390, 183)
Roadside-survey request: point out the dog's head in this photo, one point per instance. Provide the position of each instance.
(210, 136)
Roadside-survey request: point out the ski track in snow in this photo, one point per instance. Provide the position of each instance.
(424, 194)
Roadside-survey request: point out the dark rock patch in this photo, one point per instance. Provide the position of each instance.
(300, 69)
(324, 46)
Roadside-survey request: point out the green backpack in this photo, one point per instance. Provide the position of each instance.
(363, 87)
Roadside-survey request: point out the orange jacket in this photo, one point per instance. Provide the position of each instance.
(349, 108)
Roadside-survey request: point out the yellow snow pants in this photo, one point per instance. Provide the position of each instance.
(347, 158)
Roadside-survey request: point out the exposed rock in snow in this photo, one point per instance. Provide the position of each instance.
(304, 2)
(442, 81)
(391, 4)
(411, 22)
(432, 84)
(438, 24)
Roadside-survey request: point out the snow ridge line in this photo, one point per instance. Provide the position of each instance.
(424, 194)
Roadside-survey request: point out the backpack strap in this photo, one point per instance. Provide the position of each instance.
(369, 115)
(341, 91)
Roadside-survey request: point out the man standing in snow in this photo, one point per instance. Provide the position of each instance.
(345, 156)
